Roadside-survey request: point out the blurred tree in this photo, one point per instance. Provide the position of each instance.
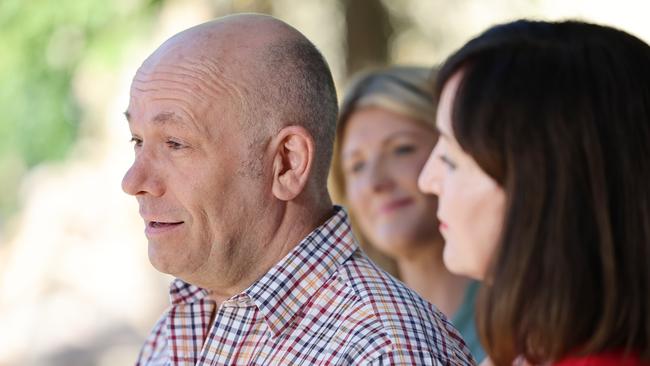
(237, 6)
(42, 43)
(368, 33)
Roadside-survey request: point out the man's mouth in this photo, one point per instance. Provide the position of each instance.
(161, 227)
(160, 224)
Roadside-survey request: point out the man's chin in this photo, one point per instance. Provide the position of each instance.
(163, 268)
(167, 264)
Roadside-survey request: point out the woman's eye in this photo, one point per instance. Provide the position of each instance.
(448, 162)
(356, 167)
(404, 149)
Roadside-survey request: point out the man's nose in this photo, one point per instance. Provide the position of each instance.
(142, 178)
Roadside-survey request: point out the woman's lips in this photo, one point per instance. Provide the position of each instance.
(158, 227)
(443, 226)
(395, 205)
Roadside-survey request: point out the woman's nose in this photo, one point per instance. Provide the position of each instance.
(429, 179)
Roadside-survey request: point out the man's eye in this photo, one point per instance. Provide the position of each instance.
(136, 141)
(175, 145)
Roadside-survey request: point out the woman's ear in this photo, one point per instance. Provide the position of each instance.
(292, 162)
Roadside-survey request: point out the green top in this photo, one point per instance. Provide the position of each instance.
(464, 321)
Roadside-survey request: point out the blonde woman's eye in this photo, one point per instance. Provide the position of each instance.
(357, 166)
(353, 167)
(404, 149)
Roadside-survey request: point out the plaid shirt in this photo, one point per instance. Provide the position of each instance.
(325, 303)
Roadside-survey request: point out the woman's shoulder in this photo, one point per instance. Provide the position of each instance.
(604, 359)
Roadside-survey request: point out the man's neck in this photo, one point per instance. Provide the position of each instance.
(294, 224)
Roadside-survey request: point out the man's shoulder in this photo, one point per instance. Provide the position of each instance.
(410, 323)
(390, 298)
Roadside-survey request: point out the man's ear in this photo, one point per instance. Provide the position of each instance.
(292, 162)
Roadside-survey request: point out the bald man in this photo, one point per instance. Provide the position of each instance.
(232, 123)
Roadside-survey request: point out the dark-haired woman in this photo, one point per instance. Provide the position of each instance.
(543, 176)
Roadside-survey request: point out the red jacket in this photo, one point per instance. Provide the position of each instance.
(603, 359)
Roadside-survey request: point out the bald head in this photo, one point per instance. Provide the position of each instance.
(269, 73)
(231, 38)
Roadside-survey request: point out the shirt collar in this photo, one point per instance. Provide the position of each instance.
(287, 286)
(181, 292)
(283, 291)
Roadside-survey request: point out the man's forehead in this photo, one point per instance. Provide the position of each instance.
(204, 72)
(181, 105)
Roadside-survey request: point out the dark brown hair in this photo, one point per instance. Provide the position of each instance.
(559, 115)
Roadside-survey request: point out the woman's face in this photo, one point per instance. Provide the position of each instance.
(470, 203)
(382, 155)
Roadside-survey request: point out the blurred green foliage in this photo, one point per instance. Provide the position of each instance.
(42, 43)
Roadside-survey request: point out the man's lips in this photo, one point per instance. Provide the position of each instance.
(160, 227)
(162, 223)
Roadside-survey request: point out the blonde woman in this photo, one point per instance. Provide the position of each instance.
(385, 133)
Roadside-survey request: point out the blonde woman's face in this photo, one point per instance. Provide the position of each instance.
(471, 203)
(382, 155)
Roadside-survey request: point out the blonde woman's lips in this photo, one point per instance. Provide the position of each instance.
(395, 205)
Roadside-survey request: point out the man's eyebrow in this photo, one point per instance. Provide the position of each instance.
(160, 118)
(166, 117)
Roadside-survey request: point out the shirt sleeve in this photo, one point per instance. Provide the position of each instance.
(402, 357)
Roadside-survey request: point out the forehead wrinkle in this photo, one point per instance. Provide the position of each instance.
(215, 78)
(185, 109)
(175, 89)
(207, 75)
(144, 85)
(203, 78)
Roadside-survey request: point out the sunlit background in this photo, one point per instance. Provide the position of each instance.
(76, 287)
